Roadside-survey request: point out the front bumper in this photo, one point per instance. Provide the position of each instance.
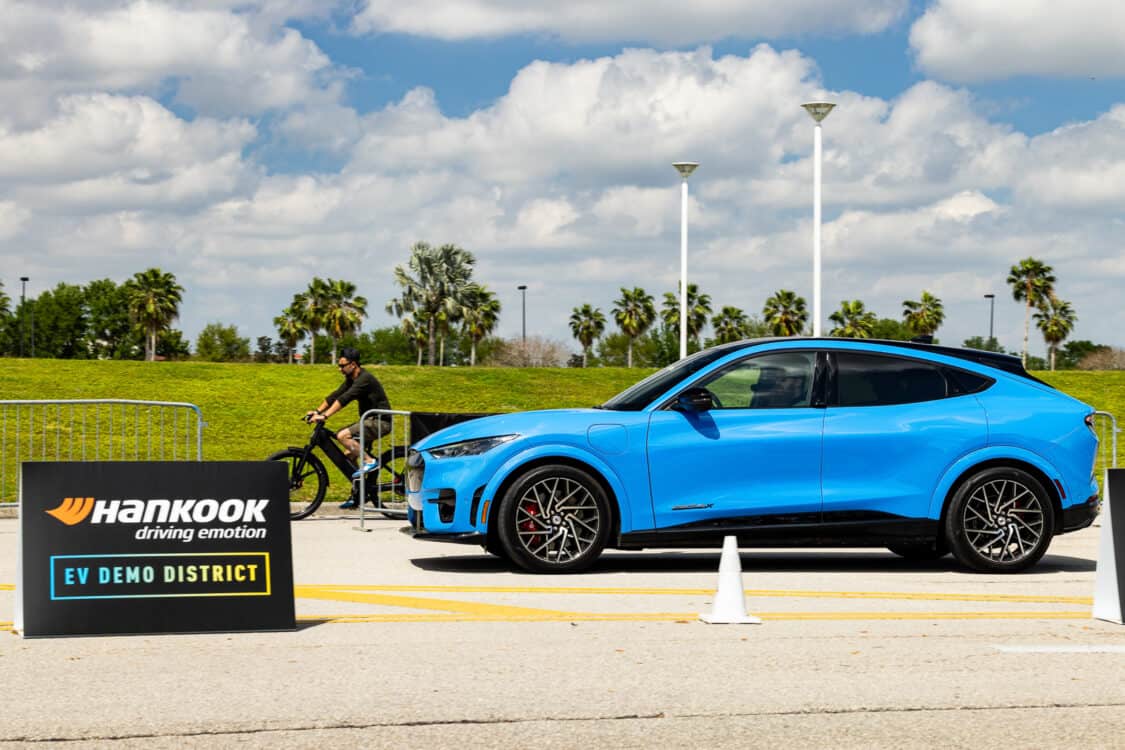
(472, 537)
(446, 497)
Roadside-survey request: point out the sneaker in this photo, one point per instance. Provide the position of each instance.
(367, 468)
(349, 505)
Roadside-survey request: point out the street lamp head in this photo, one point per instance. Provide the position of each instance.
(818, 110)
(522, 287)
(25, 279)
(685, 168)
(990, 296)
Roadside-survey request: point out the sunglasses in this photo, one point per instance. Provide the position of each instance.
(345, 365)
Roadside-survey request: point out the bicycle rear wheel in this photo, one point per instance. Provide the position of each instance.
(386, 488)
(308, 481)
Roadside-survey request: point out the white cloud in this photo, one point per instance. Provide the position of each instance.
(94, 135)
(218, 61)
(1078, 167)
(608, 116)
(987, 40)
(664, 22)
(13, 216)
(565, 184)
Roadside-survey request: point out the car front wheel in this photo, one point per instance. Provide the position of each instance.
(1000, 521)
(554, 519)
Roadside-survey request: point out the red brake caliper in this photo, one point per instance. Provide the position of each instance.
(531, 509)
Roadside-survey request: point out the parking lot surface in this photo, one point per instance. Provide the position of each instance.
(404, 643)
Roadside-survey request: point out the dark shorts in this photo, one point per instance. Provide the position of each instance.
(373, 427)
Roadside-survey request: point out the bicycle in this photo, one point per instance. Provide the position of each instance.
(308, 478)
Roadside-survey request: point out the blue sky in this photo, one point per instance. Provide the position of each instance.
(247, 146)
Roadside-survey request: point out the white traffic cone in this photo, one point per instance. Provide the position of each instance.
(729, 607)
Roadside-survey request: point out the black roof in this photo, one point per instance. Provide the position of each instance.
(1006, 362)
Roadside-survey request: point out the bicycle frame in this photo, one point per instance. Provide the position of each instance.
(325, 439)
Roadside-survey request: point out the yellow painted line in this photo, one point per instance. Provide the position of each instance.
(7, 587)
(417, 602)
(547, 616)
(779, 593)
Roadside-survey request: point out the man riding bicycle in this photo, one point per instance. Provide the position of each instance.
(360, 386)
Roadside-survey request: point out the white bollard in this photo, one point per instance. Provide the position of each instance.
(729, 607)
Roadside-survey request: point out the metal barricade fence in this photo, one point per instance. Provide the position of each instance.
(392, 439)
(1104, 423)
(396, 431)
(94, 430)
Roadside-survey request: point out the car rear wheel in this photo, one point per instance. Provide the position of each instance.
(554, 519)
(1000, 521)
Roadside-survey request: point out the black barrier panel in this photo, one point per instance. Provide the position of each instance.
(1115, 491)
(423, 423)
(154, 547)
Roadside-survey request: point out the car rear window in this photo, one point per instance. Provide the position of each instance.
(962, 382)
(871, 380)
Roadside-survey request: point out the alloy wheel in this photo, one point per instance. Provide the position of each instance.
(1003, 521)
(557, 520)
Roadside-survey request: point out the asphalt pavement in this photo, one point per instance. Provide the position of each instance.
(402, 643)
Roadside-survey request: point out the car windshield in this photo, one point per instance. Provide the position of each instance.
(641, 395)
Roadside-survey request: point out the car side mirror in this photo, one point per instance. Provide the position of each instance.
(694, 399)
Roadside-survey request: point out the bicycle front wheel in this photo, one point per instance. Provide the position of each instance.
(308, 481)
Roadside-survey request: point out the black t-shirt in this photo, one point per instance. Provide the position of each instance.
(363, 389)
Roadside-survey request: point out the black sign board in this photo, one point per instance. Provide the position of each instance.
(1109, 579)
(154, 547)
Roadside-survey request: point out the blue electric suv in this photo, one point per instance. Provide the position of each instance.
(922, 449)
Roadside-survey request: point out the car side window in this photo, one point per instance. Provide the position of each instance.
(771, 381)
(871, 380)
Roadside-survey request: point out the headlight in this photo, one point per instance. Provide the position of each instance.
(469, 447)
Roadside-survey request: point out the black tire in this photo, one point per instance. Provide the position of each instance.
(1000, 520)
(492, 547)
(920, 551)
(539, 534)
(308, 481)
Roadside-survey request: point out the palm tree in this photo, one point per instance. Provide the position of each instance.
(433, 284)
(587, 324)
(154, 302)
(309, 306)
(5, 302)
(698, 310)
(785, 313)
(1032, 283)
(634, 313)
(480, 311)
(853, 321)
(343, 311)
(416, 332)
(729, 325)
(1056, 320)
(290, 330)
(925, 316)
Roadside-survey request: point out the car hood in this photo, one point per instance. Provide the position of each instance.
(521, 423)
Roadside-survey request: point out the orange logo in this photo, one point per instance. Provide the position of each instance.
(73, 510)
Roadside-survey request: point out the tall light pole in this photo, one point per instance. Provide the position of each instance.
(818, 111)
(523, 329)
(685, 168)
(991, 311)
(23, 295)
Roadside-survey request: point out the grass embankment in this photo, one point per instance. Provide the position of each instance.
(252, 410)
